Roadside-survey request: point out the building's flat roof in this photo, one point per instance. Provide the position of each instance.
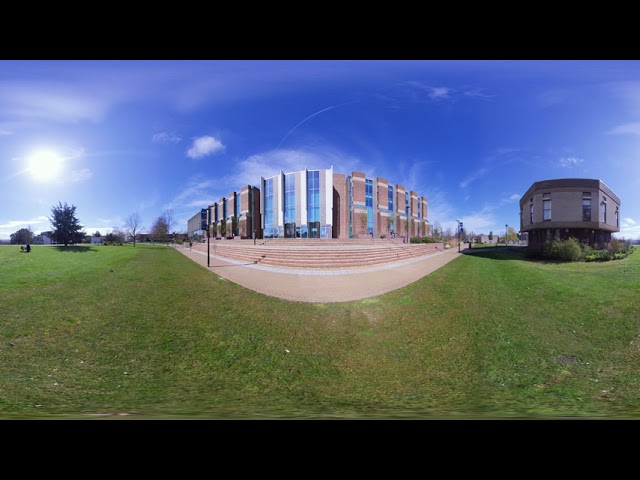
(569, 182)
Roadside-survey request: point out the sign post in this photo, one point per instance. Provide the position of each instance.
(204, 220)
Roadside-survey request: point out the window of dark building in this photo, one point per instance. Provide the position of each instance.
(546, 207)
(586, 206)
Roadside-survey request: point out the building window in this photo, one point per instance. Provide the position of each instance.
(617, 218)
(369, 204)
(289, 198)
(603, 210)
(586, 206)
(531, 211)
(350, 209)
(313, 206)
(313, 196)
(268, 208)
(546, 207)
(391, 212)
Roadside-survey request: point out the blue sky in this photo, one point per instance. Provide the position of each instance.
(117, 137)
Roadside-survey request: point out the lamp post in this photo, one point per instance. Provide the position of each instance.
(459, 233)
(506, 233)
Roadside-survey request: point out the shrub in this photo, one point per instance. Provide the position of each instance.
(568, 250)
(423, 240)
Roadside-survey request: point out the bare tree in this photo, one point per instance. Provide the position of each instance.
(167, 216)
(159, 229)
(133, 224)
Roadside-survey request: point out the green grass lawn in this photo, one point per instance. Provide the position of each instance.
(145, 331)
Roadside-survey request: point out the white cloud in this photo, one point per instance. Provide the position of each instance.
(79, 176)
(5, 132)
(24, 223)
(205, 145)
(632, 128)
(200, 203)
(630, 220)
(514, 197)
(473, 177)
(569, 162)
(628, 231)
(267, 164)
(439, 92)
(12, 226)
(51, 101)
(418, 89)
(195, 190)
(165, 138)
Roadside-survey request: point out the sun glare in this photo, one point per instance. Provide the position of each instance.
(44, 165)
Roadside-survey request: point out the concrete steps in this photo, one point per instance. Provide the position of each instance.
(297, 253)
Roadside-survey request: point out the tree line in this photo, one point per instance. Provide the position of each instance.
(67, 230)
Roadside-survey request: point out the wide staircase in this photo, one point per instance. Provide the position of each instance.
(318, 253)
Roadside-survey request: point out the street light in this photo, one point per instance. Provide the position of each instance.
(506, 232)
(459, 233)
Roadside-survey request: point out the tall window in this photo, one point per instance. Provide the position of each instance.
(268, 207)
(617, 218)
(603, 210)
(391, 212)
(586, 206)
(236, 200)
(350, 209)
(531, 211)
(289, 198)
(369, 204)
(546, 207)
(313, 196)
(406, 203)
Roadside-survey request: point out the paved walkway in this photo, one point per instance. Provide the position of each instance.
(323, 286)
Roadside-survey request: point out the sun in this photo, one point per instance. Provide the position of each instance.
(44, 165)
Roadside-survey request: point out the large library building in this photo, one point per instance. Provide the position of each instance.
(316, 204)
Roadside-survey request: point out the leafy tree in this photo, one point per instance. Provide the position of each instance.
(133, 224)
(66, 226)
(24, 235)
(490, 236)
(512, 235)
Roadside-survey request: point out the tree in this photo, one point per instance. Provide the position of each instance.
(132, 224)
(490, 236)
(436, 230)
(512, 235)
(168, 220)
(66, 226)
(115, 237)
(97, 234)
(159, 229)
(24, 235)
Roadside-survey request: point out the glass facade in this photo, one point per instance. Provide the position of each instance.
(289, 198)
(369, 205)
(350, 187)
(236, 204)
(290, 230)
(406, 203)
(313, 205)
(268, 208)
(391, 212)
